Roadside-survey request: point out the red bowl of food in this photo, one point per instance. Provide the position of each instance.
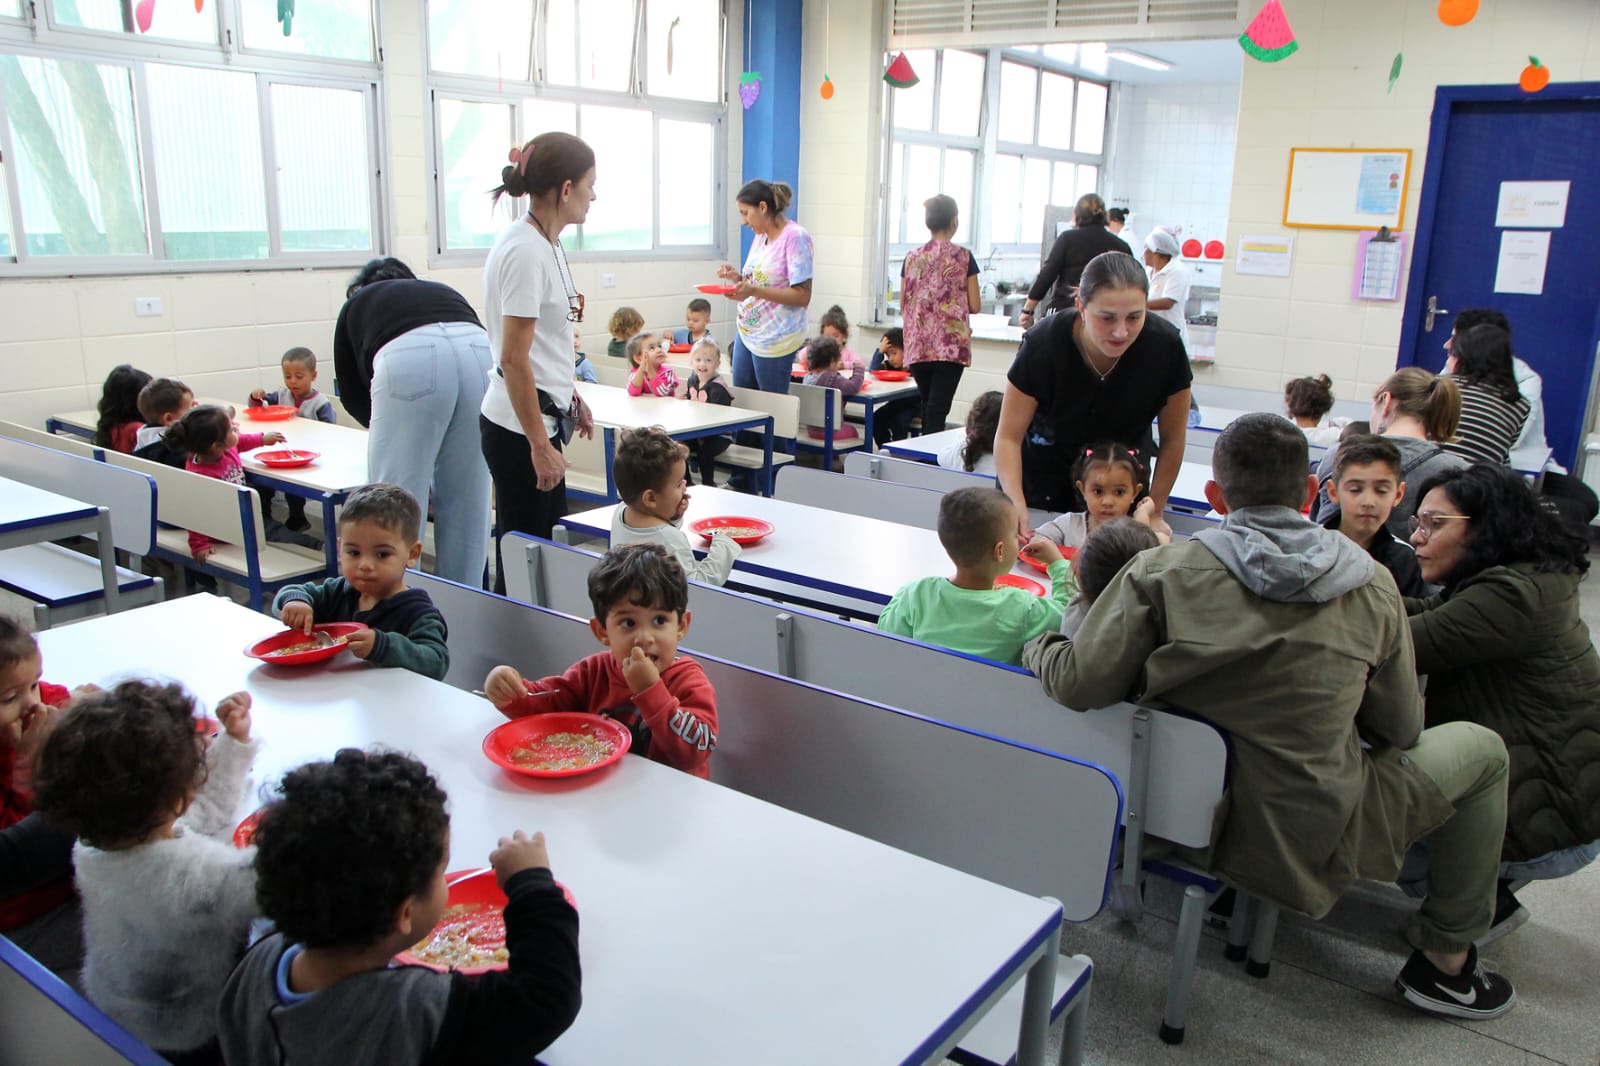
(294, 648)
(277, 412)
(1040, 565)
(890, 375)
(244, 834)
(471, 935)
(1026, 584)
(679, 349)
(562, 744)
(743, 530)
(283, 458)
(716, 290)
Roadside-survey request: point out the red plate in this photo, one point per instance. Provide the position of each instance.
(890, 375)
(1214, 250)
(705, 525)
(1026, 584)
(530, 732)
(286, 457)
(1044, 568)
(716, 290)
(679, 349)
(244, 834)
(207, 726)
(263, 649)
(272, 413)
(483, 890)
(1192, 249)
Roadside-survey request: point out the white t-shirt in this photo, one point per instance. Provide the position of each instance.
(950, 458)
(1171, 282)
(523, 278)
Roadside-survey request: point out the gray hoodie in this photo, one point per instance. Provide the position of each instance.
(1280, 555)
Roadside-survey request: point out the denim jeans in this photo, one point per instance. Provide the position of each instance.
(427, 386)
(769, 373)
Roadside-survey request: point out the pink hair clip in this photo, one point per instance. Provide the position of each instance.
(1089, 452)
(519, 156)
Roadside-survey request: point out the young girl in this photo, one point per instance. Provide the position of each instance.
(120, 419)
(1308, 401)
(167, 898)
(824, 366)
(651, 375)
(975, 452)
(1103, 555)
(1111, 478)
(624, 323)
(707, 385)
(834, 324)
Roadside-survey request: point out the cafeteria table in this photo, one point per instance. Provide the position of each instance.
(31, 515)
(614, 409)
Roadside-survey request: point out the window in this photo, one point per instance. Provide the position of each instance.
(460, 32)
(177, 21)
(339, 29)
(211, 121)
(322, 157)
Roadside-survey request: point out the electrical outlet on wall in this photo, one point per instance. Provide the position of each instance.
(147, 306)
(608, 281)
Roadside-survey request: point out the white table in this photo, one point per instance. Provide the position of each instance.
(30, 515)
(614, 409)
(715, 928)
(926, 448)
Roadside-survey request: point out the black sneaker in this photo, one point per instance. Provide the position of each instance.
(1473, 993)
(298, 522)
(1508, 915)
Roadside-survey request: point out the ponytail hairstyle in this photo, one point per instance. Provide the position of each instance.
(1309, 397)
(543, 165)
(387, 268)
(983, 422)
(119, 401)
(1111, 272)
(199, 431)
(1434, 400)
(834, 316)
(775, 194)
(1110, 453)
(1483, 357)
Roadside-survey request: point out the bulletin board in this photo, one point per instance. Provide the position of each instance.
(1347, 188)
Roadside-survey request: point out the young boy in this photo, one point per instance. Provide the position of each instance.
(896, 419)
(978, 528)
(379, 536)
(641, 611)
(348, 892)
(582, 369)
(299, 391)
(696, 321)
(707, 385)
(1365, 487)
(161, 403)
(652, 475)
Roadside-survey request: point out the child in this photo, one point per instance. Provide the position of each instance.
(625, 322)
(641, 611)
(974, 453)
(582, 369)
(350, 868)
(161, 403)
(894, 420)
(650, 470)
(824, 364)
(299, 391)
(707, 385)
(1103, 555)
(167, 899)
(967, 612)
(119, 422)
(211, 441)
(1110, 478)
(1308, 401)
(651, 375)
(1365, 488)
(696, 323)
(834, 324)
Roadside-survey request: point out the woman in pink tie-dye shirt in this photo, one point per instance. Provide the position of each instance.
(940, 289)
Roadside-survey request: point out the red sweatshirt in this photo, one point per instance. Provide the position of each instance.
(16, 803)
(673, 721)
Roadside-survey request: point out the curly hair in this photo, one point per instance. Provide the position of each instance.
(1107, 550)
(983, 422)
(119, 763)
(822, 353)
(382, 504)
(972, 521)
(16, 643)
(348, 842)
(1508, 524)
(1309, 397)
(644, 575)
(646, 457)
(624, 323)
(119, 401)
(200, 430)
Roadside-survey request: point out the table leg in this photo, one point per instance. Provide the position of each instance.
(866, 425)
(611, 456)
(1034, 1033)
(330, 531)
(767, 446)
(108, 559)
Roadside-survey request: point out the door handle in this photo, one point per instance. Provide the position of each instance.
(1433, 309)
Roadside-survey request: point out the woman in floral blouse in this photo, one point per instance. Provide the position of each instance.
(939, 290)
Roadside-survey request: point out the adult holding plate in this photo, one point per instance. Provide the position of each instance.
(530, 303)
(773, 290)
(1099, 372)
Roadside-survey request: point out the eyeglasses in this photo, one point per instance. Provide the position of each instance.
(575, 307)
(1428, 522)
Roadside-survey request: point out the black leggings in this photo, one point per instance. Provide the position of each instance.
(937, 382)
(519, 506)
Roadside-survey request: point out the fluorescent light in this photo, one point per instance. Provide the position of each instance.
(1138, 59)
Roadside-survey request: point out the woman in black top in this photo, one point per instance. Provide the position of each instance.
(1493, 410)
(1070, 254)
(1100, 372)
(412, 362)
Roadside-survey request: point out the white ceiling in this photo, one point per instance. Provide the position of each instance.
(1193, 62)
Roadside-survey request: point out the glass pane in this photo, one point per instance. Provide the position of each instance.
(561, 42)
(961, 93)
(1004, 229)
(473, 141)
(958, 183)
(324, 171)
(685, 50)
(1063, 185)
(922, 181)
(177, 20)
(620, 216)
(1061, 53)
(913, 107)
(1018, 88)
(331, 29)
(1088, 179)
(11, 9)
(545, 116)
(1035, 191)
(6, 247)
(897, 195)
(590, 44)
(1055, 110)
(1090, 135)
(688, 181)
(72, 131)
(206, 129)
(481, 37)
(1092, 57)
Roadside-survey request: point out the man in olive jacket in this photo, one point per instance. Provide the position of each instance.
(1288, 637)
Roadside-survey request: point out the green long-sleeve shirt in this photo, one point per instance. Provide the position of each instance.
(411, 631)
(992, 623)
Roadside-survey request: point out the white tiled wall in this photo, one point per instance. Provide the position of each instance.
(1173, 158)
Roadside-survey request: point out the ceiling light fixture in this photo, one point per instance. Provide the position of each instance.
(1138, 59)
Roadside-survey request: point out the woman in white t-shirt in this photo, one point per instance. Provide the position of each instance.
(773, 290)
(1169, 280)
(529, 304)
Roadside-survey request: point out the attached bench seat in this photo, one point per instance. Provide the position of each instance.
(60, 580)
(993, 1041)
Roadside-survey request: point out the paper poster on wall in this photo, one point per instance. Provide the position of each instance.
(1523, 256)
(1379, 258)
(1267, 256)
(1381, 184)
(1532, 204)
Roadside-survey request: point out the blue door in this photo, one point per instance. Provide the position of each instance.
(1482, 136)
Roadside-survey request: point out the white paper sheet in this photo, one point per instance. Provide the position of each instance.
(1533, 204)
(1268, 256)
(1523, 256)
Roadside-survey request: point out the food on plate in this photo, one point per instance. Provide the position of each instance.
(563, 751)
(303, 646)
(736, 531)
(468, 935)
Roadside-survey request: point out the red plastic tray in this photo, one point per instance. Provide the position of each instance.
(1044, 568)
(529, 731)
(271, 413)
(679, 349)
(705, 525)
(890, 375)
(716, 290)
(1026, 584)
(283, 458)
(263, 649)
(467, 887)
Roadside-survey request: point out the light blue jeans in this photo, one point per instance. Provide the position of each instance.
(427, 386)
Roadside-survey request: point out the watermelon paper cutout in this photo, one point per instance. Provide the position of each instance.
(749, 88)
(900, 75)
(1268, 37)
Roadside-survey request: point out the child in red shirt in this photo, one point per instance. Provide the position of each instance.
(640, 599)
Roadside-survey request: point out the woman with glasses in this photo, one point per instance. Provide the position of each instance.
(1503, 645)
(530, 303)
(412, 363)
